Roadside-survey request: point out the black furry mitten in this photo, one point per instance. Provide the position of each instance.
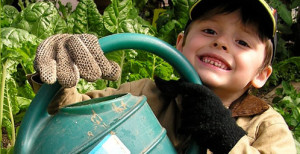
(203, 116)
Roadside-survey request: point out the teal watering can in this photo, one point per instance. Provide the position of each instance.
(114, 124)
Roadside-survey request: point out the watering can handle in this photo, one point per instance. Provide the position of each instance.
(37, 116)
(153, 45)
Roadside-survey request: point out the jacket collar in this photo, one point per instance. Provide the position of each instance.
(248, 105)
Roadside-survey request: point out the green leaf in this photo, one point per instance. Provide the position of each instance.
(65, 9)
(70, 20)
(11, 97)
(172, 22)
(8, 13)
(23, 103)
(9, 150)
(25, 92)
(120, 58)
(283, 28)
(170, 31)
(164, 70)
(283, 12)
(287, 88)
(87, 19)
(27, 52)
(10, 107)
(136, 24)
(133, 26)
(115, 14)
(181, 8)
(84, 86)
(14, 37)
(41, 19)
(11, 64)
(59, 26)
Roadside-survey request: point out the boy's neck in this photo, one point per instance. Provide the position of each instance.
(228, 97)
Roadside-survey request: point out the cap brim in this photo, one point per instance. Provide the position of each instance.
(204, 3)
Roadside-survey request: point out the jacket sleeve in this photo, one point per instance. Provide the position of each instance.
(67, 96)
(140, 87)
(272, 135)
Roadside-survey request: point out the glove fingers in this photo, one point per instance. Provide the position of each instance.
(88, 67)
(91, 42)
(44, 62)
(114, 73)
(47, 71)
(67, 71)
(110, 70)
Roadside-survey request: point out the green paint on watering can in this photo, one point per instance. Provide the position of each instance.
(91, 121)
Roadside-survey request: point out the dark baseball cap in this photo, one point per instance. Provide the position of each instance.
(259, 8)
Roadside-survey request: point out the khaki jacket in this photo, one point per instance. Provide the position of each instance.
(266, 130)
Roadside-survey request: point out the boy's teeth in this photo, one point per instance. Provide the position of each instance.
(217, 64)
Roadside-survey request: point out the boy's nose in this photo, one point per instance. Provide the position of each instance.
(220, 46)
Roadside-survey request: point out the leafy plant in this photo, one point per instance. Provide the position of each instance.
(15, 94)
(172, 22)
(8, 13)
(287, 103)
(14, 37)
(288, 28)
(40, 19)
(87, 19)
(281, 73)
(17, 53)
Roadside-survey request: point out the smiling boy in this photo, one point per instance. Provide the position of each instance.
(230, 45)
(227, 54)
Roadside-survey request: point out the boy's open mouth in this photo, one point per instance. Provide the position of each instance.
(215, 62)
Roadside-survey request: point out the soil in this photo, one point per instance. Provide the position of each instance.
(5, 140)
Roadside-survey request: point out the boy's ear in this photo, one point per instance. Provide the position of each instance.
(179, 42)
(261, 78)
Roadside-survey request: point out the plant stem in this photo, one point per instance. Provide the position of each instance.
(13, 134)
(121, 66)
(21, 4)
(153, 66)
(2, 98)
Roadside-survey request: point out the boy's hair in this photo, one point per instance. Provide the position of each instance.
(252, 13)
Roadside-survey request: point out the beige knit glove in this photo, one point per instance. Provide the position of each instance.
(67, 57)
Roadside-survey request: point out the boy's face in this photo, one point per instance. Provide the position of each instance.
(225, 53)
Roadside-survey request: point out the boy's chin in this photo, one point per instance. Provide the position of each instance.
(209, 77)
(210, 81)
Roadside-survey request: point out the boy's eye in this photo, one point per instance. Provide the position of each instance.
(243, 43)
(209, 31)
